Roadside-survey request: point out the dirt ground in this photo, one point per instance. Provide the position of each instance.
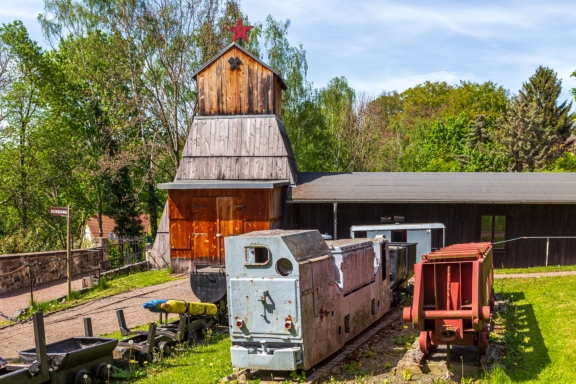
(69, 322)
(376, 360)
(533, 275)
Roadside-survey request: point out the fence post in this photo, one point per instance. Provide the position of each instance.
(31, 287)
(547, 248)
(69, 250)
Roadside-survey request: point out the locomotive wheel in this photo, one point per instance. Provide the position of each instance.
(193, 337)
(165, 349)
(482, 343)
(103, 373)
(84, 377)
(424, 342)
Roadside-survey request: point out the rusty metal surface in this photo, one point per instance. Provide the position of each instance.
(297, 320)
(480, 187)
(353, 258)
(452, 296)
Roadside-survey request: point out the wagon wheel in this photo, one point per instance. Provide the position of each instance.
(424, 342)
(482, 342)
(84, 377)
(143, 358)
(165, 349)
(103, 373)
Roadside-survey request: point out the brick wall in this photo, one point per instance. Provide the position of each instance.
(44, 272)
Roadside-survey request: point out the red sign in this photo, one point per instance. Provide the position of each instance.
(55, 211)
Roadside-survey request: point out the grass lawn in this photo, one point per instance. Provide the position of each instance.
(204, 363)
(105, 288)
(551, 268)
(546, 328)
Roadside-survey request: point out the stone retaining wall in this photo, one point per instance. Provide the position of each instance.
(44, 272)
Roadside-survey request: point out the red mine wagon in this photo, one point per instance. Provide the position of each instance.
(453, 296)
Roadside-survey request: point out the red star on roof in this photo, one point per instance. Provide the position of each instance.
(240, 31)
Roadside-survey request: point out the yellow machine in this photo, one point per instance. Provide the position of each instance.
(190, 308)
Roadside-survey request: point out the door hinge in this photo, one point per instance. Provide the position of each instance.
(198, 206)
(236, 206)
(199, 234)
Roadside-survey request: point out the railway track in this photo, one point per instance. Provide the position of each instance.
(315, 374)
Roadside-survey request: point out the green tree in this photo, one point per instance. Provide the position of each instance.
(122, 205)
(39, 153)
(336, 102)
(301, 112)
(523, 141)
(544, 89)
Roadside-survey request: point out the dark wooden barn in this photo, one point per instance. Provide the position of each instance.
(238, 174)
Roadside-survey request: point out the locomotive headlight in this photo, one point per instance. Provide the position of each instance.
(284, 267)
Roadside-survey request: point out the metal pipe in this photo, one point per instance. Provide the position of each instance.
(448, 293)
(535, 237)
(335, 207)
(40, 341)
(440, 315)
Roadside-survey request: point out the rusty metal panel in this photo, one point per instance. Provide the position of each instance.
(355, 262)
(322, 278)
(264, 306)
(326, 318)
(452, 300)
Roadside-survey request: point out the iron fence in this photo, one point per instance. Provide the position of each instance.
(122, 252)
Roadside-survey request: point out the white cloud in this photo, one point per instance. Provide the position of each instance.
(23, 10)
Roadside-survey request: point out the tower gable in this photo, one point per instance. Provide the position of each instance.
(235, 82)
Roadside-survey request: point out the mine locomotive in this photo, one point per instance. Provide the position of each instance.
(294, 298)
(453, 296)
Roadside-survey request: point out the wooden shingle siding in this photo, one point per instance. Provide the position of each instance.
(251, 90)
(248, 136)
(243, 148)
(237, 168)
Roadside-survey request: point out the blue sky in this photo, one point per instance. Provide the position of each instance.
(394, 45)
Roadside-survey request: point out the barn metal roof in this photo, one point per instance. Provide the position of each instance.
(224, 184)
(394, 227)
(434, 187)
(225, 49)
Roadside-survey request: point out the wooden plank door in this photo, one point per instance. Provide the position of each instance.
(204, 216)
(230, 220)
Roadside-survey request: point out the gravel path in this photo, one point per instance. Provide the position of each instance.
(69, 322)
(20, 298)
(533, 275)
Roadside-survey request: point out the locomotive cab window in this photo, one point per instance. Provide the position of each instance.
(493, 230)
(257, 255)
